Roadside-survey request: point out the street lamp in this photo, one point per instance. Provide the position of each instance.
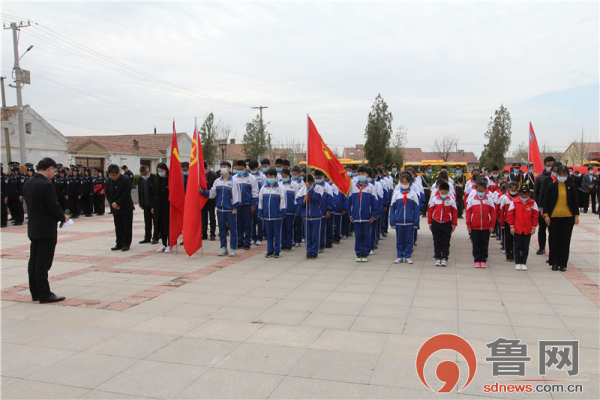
(223, 147)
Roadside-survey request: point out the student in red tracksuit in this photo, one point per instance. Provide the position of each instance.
(442, 216)
(505, 202)
(481, 219)
(522, 217)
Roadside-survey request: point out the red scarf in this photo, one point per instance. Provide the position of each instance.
(360, 189)
(405, 199)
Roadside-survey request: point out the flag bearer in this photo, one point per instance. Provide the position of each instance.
(248, 188)
(326, 206)
(364, 208)
(309, 203)
(272, 209)
(404, 216)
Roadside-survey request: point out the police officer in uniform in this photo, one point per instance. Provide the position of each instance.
(395, 174)
(87, 192)
(4, 200)
(516, 175)
(62, 186)
(75, 194)
(529, 177)
(460, 181)
(15, 195)
(99, 192)
(127, 172)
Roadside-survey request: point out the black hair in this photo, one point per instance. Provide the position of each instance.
(286, 171)
(253, 164)
(481, 183)
(286, 163)
(225, 163)
(444, 167)
(370, 172)
(113, 169)
(354, 167)
(45, 163)
(589, 168)
(475, 169)
(271, 172)
(495, 168)
(379, 170)
(123, 167)
(303, 170)
(561, 169)
(296, 169)
(265, 161)
(549, 159)
(247, 160)
(279, 161)
(241, 163)
(443, 185)
(443, 175)
(186, 164)
(524, 190)
(513, 184)
(310, 178)
(143, 168)
(406, 176)
(162, 165)
(318, 172)
(557, 164)
(362, 168)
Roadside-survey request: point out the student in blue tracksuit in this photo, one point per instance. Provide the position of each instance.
(248, 188)
(404, 216)
(298, 225)
(326, 206)
(309, 205)
(291, 191)
(340, 210)
(364, 209)
(272, 209)
(257, 223)
(331, 220)
(346, 215)
(228, 203)
(380, 199)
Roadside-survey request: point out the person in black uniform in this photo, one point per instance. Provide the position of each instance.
(87, 193)
(208, 211)
(4, 195)
(61, 185)
(100, 193)
(15, 195)
(161, 207)
(460, 181)
(44, 214)
(127, 172)
(529, 177)
(145, 186)
(516, 175)
(75, 194)
(118, 194)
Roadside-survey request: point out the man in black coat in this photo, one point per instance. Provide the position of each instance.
(208, 211)
(43, 213)
(146, 188)
(538, 197)
(118, 194)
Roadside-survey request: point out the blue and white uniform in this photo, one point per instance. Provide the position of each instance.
(404, 216)
(291, 191)
(312, 216)
(228, 199)
(248, 188)
(272, 209)
(364, 205)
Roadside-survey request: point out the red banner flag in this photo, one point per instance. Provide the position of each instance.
(176, 192)
(534, 152)
(194, 201)
(321, 157)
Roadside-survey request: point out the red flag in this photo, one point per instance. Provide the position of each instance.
(194, 201)
(176, 192)
(534, 152)
(320, 157)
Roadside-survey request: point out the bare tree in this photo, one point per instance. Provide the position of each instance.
(581, 149)
(445, 145)
(223, 131)
(521, 153)
(398, 143)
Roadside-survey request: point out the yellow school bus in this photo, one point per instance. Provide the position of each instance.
(436, 166)
(594, 164)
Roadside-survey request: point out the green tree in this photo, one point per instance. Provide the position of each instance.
(207, 138)
(499, 136)
(378, 133)
(398, 144)
(256, 141)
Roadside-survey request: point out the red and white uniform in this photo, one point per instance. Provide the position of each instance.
(481, 213)
(505, 202)
(442, 210)
(523, 216)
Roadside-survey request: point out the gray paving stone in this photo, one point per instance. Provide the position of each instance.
(336, 366)
(167, 325)
(304, 388)
(350, 341)
(216, 329)
(268, 359)
(194, 351)
(378, 324)
(334, 321)
(483, 317)
(284, 335)
(20, 361)
(333, 307)
(132, 344)
(26, 389)
(284, 317)
(76, 338)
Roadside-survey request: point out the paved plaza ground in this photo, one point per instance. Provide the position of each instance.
(139, 324)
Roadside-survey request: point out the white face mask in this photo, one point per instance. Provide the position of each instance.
(524, 199)
(513, 193)
(404, 186)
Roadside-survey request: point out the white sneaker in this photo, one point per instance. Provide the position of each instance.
(409, 261)
(168, 250)
(398, 260)
(253, 243)
(365, 259)
(518, 267)
(223, 252)
(523, 267)
(258, 242)
(444, 262)
(232, 253)
(438, 262)
(371, 252)
(358, 259)
(161, 249)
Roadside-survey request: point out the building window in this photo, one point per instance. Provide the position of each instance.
(28, 128)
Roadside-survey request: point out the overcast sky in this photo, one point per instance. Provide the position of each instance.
(442, 68)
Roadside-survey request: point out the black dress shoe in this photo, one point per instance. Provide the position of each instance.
(540, 252)
(34, 298)
(555, 268)
(212, 238)
(563, 269)
(204, 237)
(154, 241)
(52, 299)
(145, 241)
(116, 248)
(125, 249)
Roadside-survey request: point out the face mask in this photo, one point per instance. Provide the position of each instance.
(480, 194)
(516, 170)
(561, 178)
(295, 177)
(271, 181)
(369, 180)
(224, 171)
(524, 199)
(349, 173)
(494, 175)
(458, 172)
(429, 170)
(185, 172)
(162, 174)
(318, 181)
(265, 169)
(554, 174)
(278, 169)
(404, 186)
(394, 169)
(146, 177)
(591, 172)
(513, 193)
(362, 178)
(506, 176)
(285, 179)
(531, 171)
(253, 172)
(548, 169)
(240, 173)
(443, 196)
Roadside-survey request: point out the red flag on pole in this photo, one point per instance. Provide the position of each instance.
(176, 192)
(194, 201)
(321, 157)
(534, 152)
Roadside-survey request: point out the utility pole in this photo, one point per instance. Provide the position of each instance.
(18, 84)
(5, 118)
(260, 108)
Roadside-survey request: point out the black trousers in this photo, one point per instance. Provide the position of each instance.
(208, 213)
(74, 206)
(99, 204)
(542, 232)
(460, 192)
(87, 204)
(148, 222)
(64, 203)
(481, 243)
(16, 210)
(593, 196)
(41, 255)
(509, 248)
(521, 249)
(123, 228)
(442, 233)
(4, 215)
(585, 201)
(161, 220)
(559, 241)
